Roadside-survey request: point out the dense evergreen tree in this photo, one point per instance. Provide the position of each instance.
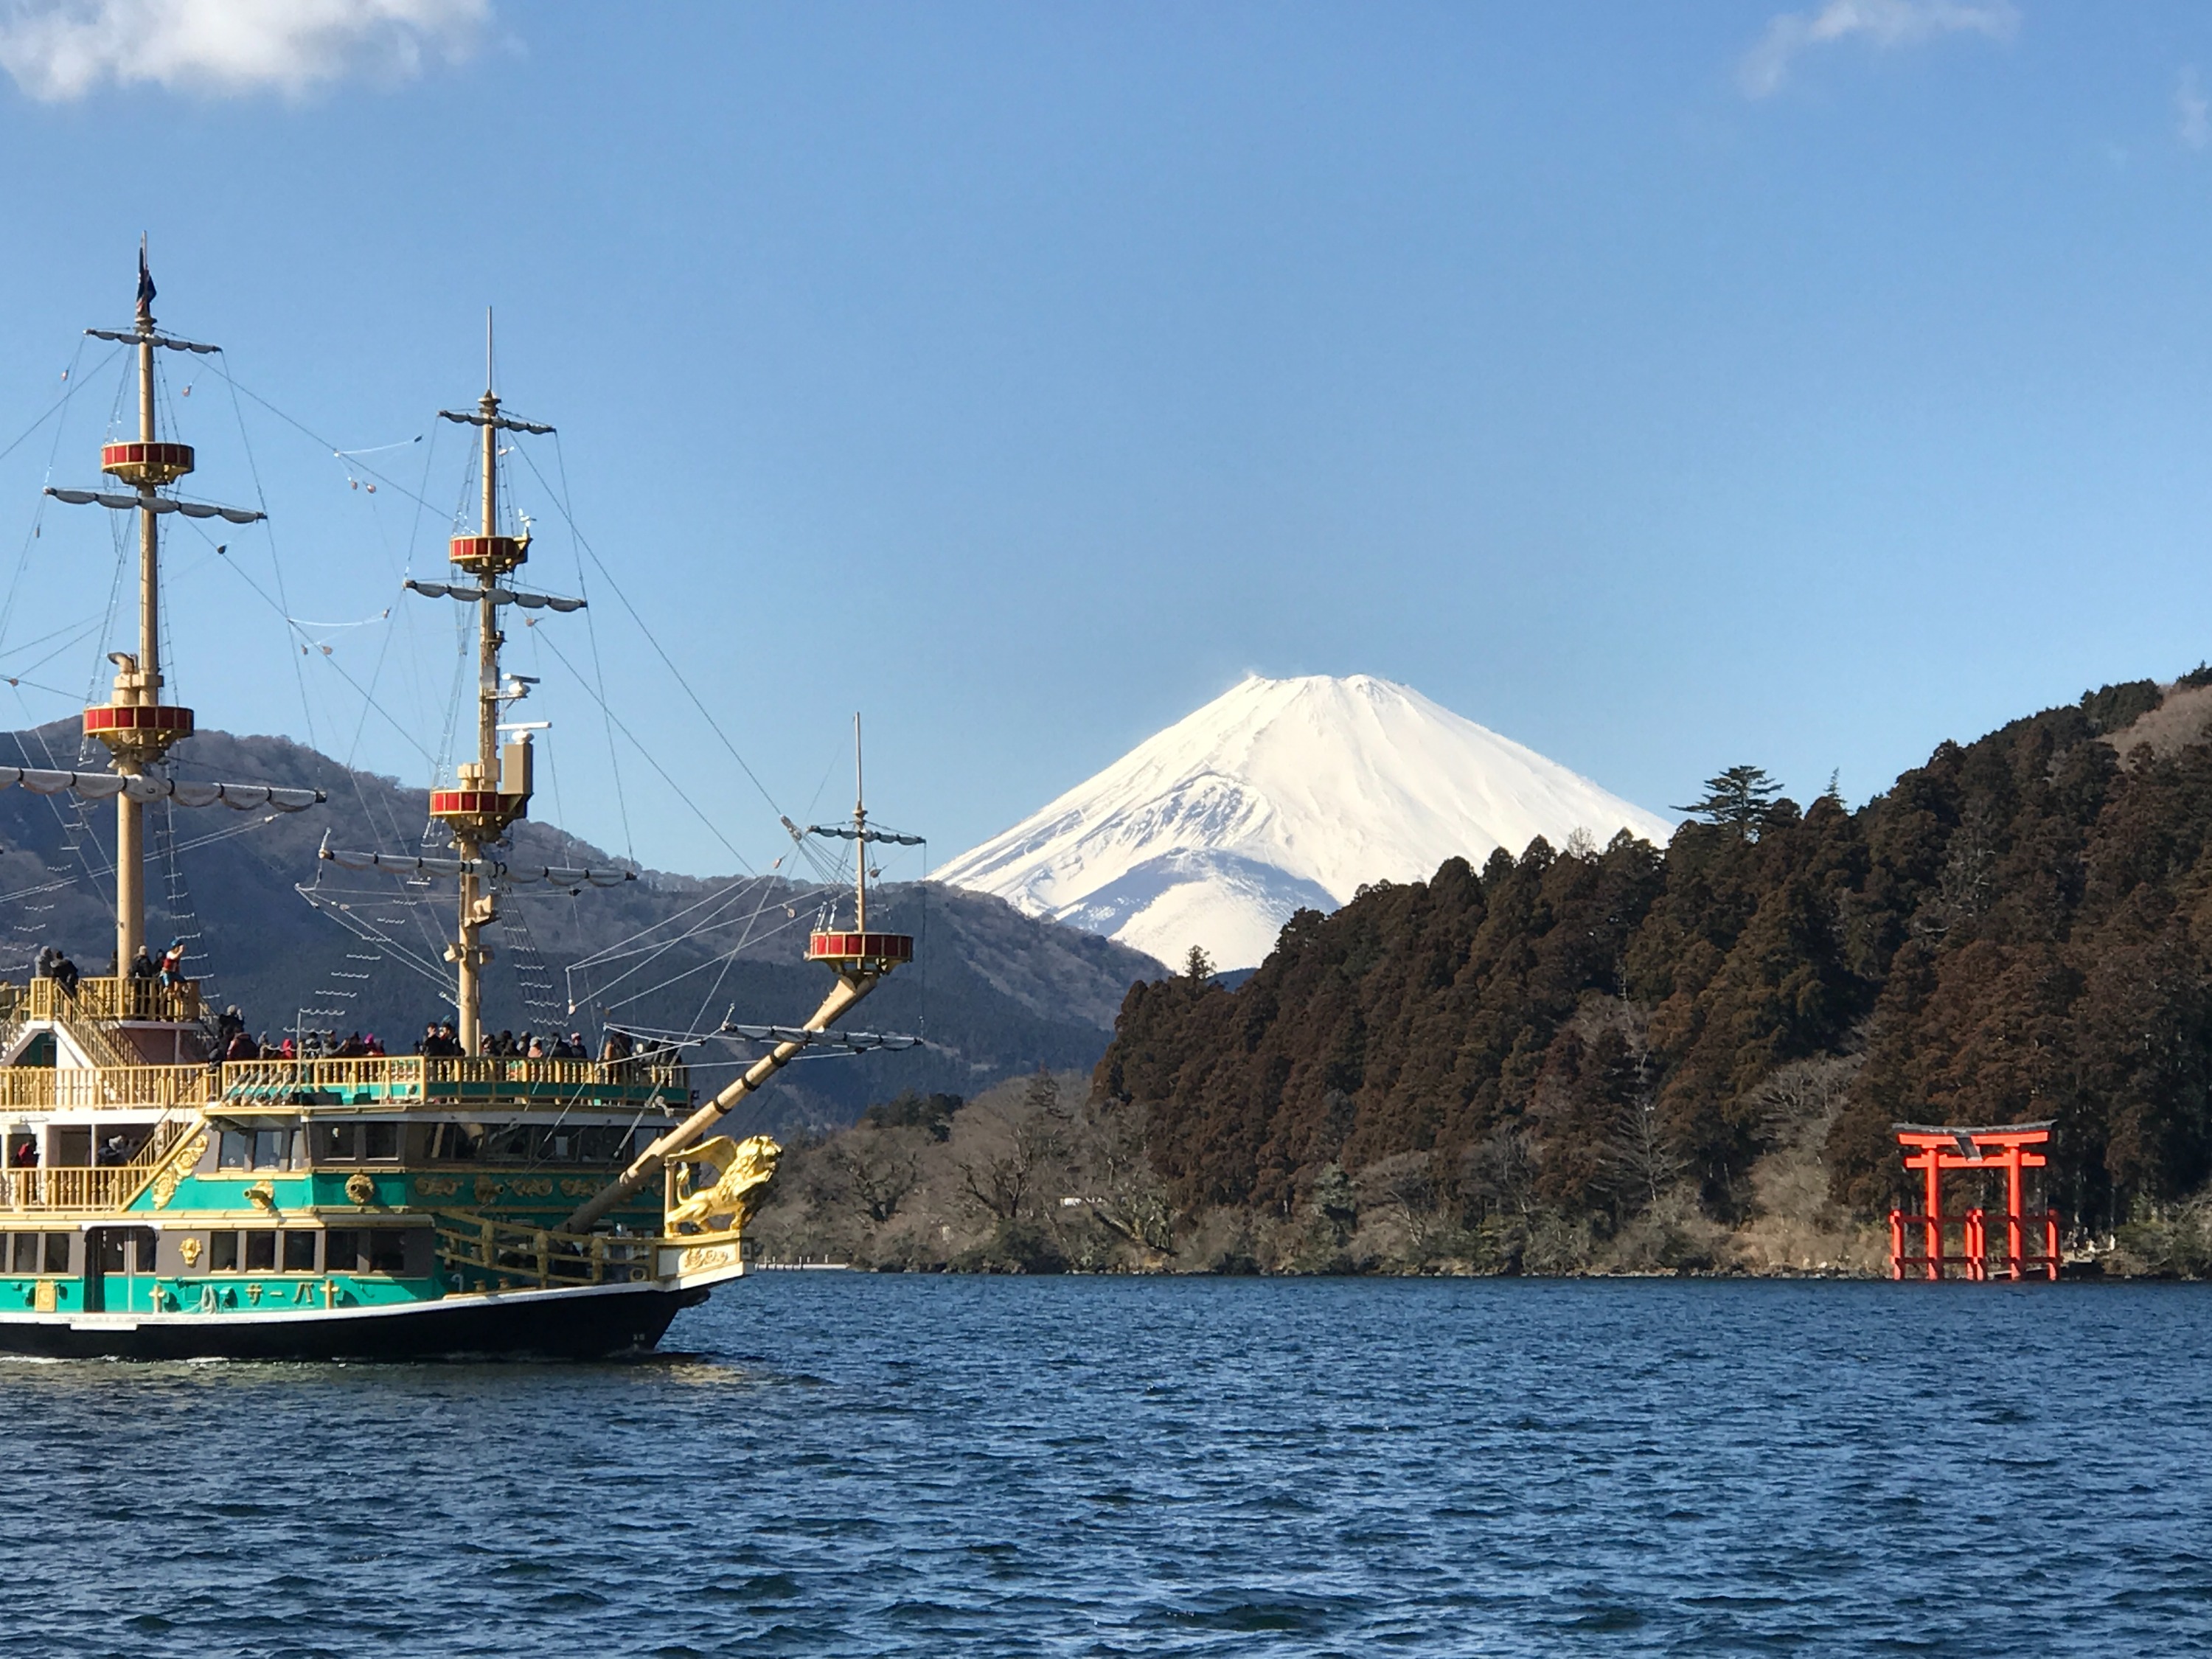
(2016, 931)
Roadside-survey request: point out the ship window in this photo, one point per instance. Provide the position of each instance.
(379, 1140)
(457, 1143)
(341, 1250)
(144, 1244)
(272, 1149)
(261, 1252)
(299, 1251)
(58, 1253)
(237, 1150)
(25, 1253)
(387, 1250)
(222, 1253)
(603, 1143)
(337, 1142)
(512, 1142)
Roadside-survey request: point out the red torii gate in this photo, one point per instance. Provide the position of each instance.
(1932, 1149)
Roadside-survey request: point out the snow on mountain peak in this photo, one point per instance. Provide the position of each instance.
(1279, 795)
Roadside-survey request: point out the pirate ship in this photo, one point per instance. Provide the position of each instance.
(160, 1202)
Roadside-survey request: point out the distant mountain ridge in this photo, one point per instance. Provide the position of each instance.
(994, 991)
(1277, 796)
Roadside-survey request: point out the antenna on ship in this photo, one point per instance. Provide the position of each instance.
(859, 833)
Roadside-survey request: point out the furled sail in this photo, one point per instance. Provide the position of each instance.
(107, 785)
(152, 503)
(844, 833)
(554, 875)
(852, 1043)
(497, 595)
(132, 336)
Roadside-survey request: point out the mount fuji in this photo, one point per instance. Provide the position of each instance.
(1280, 795)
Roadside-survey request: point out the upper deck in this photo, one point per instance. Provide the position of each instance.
(95, 1015)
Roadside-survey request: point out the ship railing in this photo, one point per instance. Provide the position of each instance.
(47, 1088)
(418, 1074)
(140, 1087)
(110, 999)
(511, 1257)
(101, 1187)
(72, 1188)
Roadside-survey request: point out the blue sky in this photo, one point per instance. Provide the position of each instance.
(1661, 387)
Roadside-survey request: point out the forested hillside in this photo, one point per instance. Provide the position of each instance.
(2020, 929)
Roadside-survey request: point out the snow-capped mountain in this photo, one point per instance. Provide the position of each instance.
(1280, 795)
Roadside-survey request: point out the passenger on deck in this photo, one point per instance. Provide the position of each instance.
(242, 1046)
(142, 964)
(27, 1155)
(172, 965)
(288, 1050)
(536, 1050)
(617, 1046)
(228, 1024)
(44, 967)
(374, 1046)
(353, 1048)
(65, 974)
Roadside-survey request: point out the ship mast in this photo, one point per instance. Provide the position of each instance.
(493, 790)
(860, 959)
(136, 726)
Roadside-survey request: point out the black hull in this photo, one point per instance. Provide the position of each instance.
(580, 1324)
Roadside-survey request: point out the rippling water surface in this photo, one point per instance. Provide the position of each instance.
(842, 1464)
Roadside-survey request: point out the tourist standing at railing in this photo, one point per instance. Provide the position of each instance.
(172, 965)
(142, 964)
(65, 974)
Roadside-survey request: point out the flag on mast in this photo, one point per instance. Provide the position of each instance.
(145, 282)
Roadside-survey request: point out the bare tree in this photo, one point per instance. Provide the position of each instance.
(1001, 1176)
(876, 1170)
(1126, 1195)
(1500, 1170)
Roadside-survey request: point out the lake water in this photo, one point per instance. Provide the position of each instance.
(842, 1464)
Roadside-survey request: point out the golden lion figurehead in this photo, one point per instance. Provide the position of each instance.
(716, 1186)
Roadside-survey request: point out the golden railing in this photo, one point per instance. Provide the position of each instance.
(419, 1073)
(538, 1257)
(402, 1079)
(44, 1088)
(103, 1187)
(72, 1189)
(105, 998)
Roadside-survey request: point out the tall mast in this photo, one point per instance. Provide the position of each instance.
(136, 726)
(493, 790)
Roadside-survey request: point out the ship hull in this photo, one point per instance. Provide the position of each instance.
(589, 1322)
